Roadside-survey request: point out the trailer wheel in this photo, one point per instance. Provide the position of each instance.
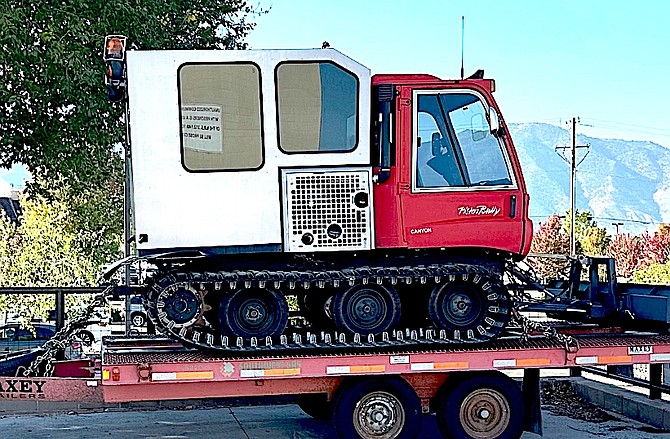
(469, 311)
(376, 408)
(253, 312)
(138, 319)
(482, 406)
(315, 405)
(366, 309)
(86, 337)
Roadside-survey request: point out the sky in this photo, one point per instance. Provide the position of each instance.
(605, 62)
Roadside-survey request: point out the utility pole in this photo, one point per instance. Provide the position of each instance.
(572, 161)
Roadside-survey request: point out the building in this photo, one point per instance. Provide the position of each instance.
(9, 201)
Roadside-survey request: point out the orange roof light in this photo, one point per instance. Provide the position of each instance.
(115, 47)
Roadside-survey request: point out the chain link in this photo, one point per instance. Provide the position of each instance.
(64, 336)
(527, 325)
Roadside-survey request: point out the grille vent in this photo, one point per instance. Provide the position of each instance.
(327, 210)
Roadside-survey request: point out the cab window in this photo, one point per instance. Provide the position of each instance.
(317, 108)
(455, 147)
(220, 113)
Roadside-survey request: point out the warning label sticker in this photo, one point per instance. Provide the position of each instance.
(201, 127)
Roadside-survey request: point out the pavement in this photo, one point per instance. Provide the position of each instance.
(624, 402)
(243, 418)
(284, 421)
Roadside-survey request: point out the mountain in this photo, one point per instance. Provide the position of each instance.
(619, 180)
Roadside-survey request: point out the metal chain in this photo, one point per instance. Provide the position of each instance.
(528, 276)
(64, 336)
(527, 325)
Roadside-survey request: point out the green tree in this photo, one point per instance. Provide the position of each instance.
(590, 239)
(42, 250)
(55, 117)
(653, 274)
(57, 121)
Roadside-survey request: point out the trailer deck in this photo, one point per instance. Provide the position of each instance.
(155, 369)
(382, 385)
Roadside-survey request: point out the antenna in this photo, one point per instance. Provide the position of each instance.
(462, 45)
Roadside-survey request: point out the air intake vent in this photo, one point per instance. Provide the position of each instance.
(327, 210)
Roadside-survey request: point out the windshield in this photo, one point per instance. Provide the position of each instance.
(455, 146)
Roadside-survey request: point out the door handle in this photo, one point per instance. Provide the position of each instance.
(512, 206)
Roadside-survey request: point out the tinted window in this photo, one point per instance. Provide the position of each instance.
(220, 112)
(317, 107)
(23, 335)
(44, 333)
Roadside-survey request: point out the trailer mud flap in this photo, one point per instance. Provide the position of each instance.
(531, 400)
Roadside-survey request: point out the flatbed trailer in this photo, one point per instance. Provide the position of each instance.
(380, 393)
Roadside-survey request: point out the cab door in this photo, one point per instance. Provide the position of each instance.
(460, 187)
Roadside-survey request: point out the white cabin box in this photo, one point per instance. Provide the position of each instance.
(259, 150)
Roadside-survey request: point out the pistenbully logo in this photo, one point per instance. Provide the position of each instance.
(479, 210)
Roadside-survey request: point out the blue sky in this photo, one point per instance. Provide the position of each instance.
(603, 61)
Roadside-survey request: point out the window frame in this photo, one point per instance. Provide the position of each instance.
(260, 108)
(358, 106)
(415, 148)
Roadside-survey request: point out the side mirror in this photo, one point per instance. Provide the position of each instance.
(494, 121)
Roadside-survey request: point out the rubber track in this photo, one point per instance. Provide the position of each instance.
(207, 338)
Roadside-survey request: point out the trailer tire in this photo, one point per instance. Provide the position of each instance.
(481, 406)
(315, 405)
(86, 337)
(377, 408)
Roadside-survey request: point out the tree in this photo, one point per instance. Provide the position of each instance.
(55, 117)
(550, 238)
(57, 121)
(42, 250)
(590, 239)
(627, 251)
(657, 246)
(653, 274)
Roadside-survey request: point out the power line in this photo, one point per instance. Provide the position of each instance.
(623, 125)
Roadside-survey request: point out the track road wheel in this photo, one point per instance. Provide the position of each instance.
(315, 405)
(470, 310)
(481, 406)
(253, 312)
(377, 408)
(179, 305)
(366, 309)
